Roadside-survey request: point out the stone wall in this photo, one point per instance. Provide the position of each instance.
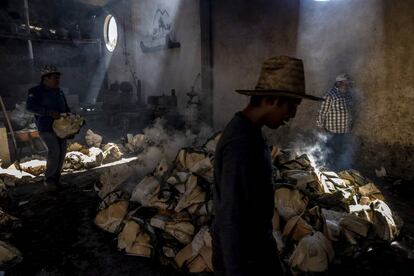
(162, 70)
(244, 34)
(371, 40)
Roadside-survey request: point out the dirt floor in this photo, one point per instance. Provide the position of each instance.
(59, 237)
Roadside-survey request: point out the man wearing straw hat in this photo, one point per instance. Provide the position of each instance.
(243, 196)
(47, 102)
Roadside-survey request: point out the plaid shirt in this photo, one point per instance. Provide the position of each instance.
(335, 114)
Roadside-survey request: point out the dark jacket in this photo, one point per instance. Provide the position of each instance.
(243, 202)
(41, 101)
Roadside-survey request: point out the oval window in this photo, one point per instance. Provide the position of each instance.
(110, 33)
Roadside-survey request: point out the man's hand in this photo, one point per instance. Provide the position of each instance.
(321, 129)
(55, 115)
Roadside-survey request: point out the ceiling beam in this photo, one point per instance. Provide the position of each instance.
(98, 3)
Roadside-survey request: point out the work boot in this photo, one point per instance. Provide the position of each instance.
(49, 186)
(61, 184)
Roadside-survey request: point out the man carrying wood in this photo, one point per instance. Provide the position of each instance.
(47, 102)
(335, 119)
(244, 195)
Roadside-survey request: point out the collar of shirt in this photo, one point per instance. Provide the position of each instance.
(335, 92)
(57, 90)
(257, 132)
(248, 122)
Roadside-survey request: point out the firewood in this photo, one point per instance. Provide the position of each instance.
(92, 139)
(9, 254)
(289, 202)
(313, 254)
(68, 125)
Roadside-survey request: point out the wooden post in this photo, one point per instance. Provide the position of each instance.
(206, 62)
(29, 41)
(4, 146)
(6, 116)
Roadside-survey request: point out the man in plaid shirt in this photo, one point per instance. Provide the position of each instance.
(335, 118)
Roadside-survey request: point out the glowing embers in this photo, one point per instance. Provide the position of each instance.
(110, 33)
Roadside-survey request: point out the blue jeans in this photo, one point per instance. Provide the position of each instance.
(342, 148)
(56, 152)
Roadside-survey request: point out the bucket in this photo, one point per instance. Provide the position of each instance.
(34, 133)
(22, 135)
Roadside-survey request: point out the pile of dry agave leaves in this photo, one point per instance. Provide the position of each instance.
(319, 215)
(78, 157)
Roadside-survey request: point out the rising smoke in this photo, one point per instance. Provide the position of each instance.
(164, 143)
(314, 146)
(322, 152)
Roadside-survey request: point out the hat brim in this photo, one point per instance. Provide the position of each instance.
(347, 80)
(279, 93)
(52, 73)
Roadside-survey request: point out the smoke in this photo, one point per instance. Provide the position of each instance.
(344, 48)
(346, 146)
(191, 116)
(335, 152)
(314, 146)
(205, 132)
(164, 143)
(150, 159)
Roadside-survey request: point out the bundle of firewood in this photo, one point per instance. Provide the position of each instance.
(13, 176)
(85, 157)
(320, 214)
(34, 167)
(167, 214)
(9, 255)
(135, 143)
(67, 125)
(317, 214)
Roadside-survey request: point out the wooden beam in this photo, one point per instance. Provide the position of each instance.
(6, 116)
(206, 62)
(4, 146)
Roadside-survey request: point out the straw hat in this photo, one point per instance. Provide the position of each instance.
(48, 70)
(281, 76)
